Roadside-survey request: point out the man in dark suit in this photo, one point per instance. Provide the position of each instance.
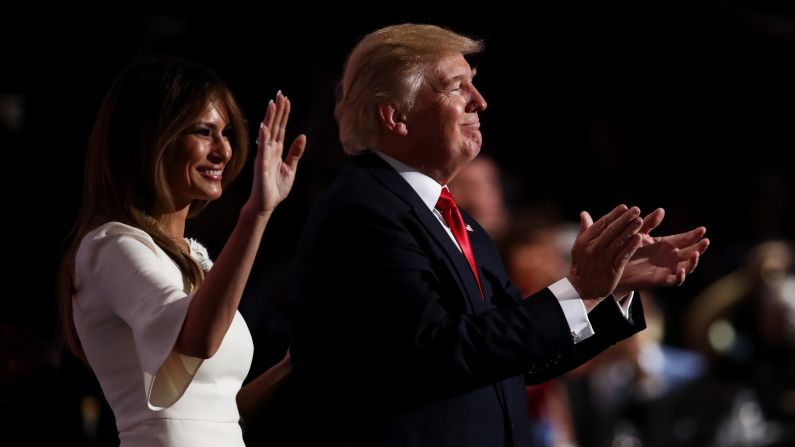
(405, 328)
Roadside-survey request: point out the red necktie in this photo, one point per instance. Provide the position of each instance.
(449, 209)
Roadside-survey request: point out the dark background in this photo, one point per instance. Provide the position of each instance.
(684, 105)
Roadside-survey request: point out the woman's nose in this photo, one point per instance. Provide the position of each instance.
(222, 150)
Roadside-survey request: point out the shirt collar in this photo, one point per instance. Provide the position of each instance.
(427, 188)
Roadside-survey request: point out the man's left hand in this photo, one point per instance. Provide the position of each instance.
(661, 261)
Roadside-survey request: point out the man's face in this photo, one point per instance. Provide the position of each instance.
(444, 125)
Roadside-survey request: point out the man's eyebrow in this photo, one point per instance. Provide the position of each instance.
(462, 77)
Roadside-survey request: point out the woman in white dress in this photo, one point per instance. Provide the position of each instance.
(140, 303)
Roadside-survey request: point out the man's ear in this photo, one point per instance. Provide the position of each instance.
(391, 119)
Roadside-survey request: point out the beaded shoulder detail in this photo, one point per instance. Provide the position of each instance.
(199, 253)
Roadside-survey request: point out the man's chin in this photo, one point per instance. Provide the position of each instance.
(475, 151)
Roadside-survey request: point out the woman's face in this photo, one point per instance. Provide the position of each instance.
(198, 157)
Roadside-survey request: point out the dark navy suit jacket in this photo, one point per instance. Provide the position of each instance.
(391, 341)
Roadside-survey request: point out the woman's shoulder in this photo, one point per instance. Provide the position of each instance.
(117, 234)
(115, 228)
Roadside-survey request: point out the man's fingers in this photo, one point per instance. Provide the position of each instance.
(684, 239)
(652, 221)
(625, 253)
(703, 245)
(625, 237)
(691, 263)
(615, 235)
(585, 221)
(680, 277)
(596, 229)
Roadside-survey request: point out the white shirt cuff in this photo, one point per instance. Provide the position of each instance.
(574, 309)
(624, 304)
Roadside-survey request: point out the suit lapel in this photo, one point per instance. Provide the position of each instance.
(387, 176)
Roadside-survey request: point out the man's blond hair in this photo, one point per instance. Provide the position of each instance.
(389, 65)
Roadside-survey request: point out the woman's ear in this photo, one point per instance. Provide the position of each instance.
(391, 119)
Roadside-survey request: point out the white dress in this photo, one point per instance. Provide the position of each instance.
(128, 311)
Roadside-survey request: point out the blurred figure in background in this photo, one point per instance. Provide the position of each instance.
(536, 253)
(478, 189)
(745, 324)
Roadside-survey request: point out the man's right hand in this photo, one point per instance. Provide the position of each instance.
(601, 251)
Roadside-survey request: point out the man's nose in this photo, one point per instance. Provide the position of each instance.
(477, 103)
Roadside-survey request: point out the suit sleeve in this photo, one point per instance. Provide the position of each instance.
(381, 306)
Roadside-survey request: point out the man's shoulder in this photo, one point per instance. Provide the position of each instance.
(360, 183)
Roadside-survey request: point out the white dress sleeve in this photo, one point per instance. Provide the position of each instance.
(144, 287)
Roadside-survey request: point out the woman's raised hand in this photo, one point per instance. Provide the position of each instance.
(273, 175)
